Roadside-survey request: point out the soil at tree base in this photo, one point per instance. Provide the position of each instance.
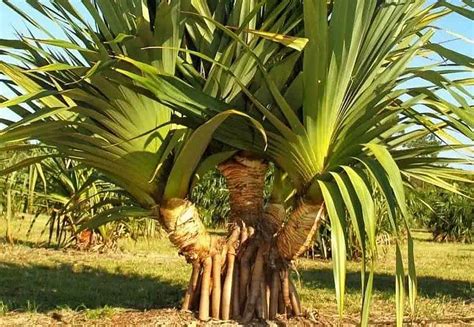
(173, 317)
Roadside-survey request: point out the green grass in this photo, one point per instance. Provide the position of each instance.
(149, 274)
(445, 283)
(100, 313)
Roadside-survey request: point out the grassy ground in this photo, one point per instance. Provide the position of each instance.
(49, 284)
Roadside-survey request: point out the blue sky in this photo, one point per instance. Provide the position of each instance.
(452, 27)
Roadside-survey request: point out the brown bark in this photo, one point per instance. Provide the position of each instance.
(227, 289)
(197, 294)
(193, 284)
(281, 303)
(254, 290)
(235, 293)
(285, 290)
(264, 299)
(181, 220)
(244, 234)
(254, 282)
(272, 221)
(274, 295)
(295, 300)
(256, 275)
(253, 263)
(232, 245)
(298, 233)
(245, 178)
(205, 289)
(216, 286)
(245, 267)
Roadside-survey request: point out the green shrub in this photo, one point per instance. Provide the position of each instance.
(211, 196)
(453, 218)
(449, 216)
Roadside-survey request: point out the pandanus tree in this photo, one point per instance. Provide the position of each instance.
(319, 88)
(93, 115)
(75, 194)
(337, 120)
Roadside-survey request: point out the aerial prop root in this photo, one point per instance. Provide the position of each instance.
(241, 281)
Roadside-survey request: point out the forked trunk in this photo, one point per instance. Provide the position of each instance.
(245, 275)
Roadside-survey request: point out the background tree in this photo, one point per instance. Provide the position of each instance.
(18, 185)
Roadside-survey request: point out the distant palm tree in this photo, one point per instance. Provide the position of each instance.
(76, 194)
(331, 106)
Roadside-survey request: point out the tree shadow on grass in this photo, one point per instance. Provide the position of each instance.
(31, 244)
(428, 287)
(43, 288)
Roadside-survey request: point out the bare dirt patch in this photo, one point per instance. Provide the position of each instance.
(158, 317)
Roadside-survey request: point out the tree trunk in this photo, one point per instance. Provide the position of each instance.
(181, 220)
(244, 284)
(245, 275)
(9, 216)
(298, 233)
(241, 281)
(245, 178)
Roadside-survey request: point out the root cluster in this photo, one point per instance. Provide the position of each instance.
(243, 280)
(247, 275)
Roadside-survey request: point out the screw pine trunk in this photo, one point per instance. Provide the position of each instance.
(245, 275)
